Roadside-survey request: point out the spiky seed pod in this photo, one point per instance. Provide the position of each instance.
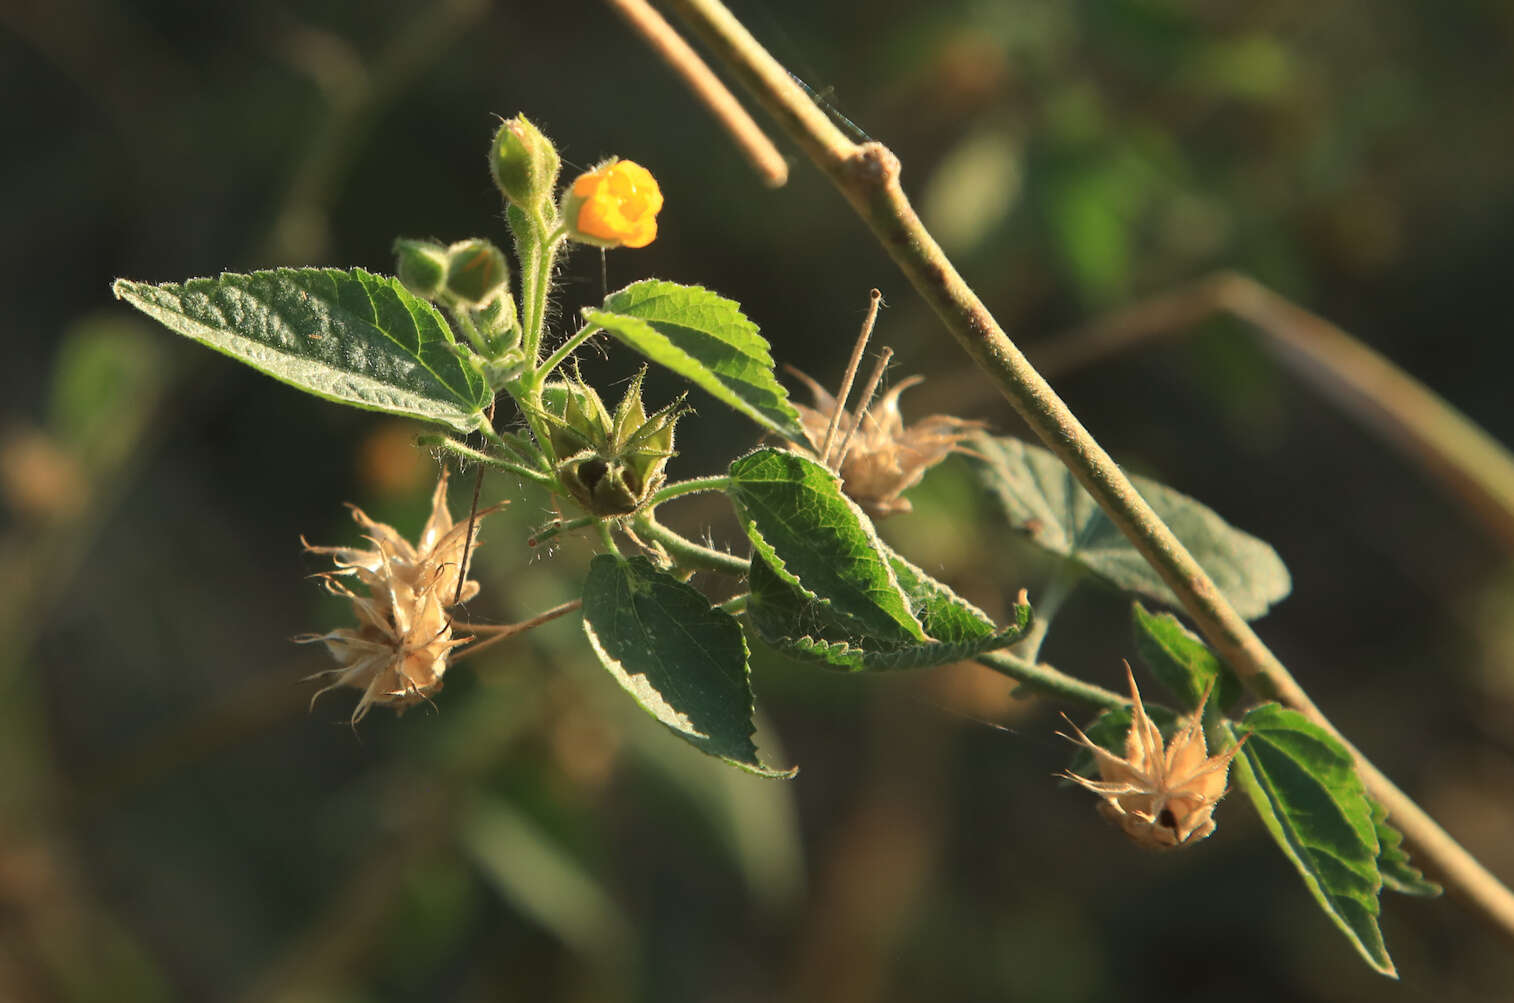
(610, 464)
(1162, 798)
(884, 458)
(398, 652)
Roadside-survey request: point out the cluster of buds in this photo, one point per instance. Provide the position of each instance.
(398, 652)
(1161, 797)
(470, 275)
(610, 464)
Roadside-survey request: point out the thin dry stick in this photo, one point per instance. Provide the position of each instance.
(868, 176)
(502, 631)
(863, 403)
(478, 485)
(875, 298)
(708, 88)
(1472, 466)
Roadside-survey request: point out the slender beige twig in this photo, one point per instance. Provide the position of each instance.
(708, 88)
(868, 176)
(1472, 466)
(498, 632)
(875, 299)
(863, 403)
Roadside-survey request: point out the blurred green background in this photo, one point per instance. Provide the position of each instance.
(174, 824)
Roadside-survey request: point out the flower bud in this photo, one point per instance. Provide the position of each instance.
(497, 322)
(614, 205)
(476, 272)
(524, 162)
(422, 266)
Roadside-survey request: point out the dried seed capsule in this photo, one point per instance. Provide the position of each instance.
(1160, 797)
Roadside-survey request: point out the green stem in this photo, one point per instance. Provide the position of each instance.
(475, 337)
(735, 604)
(1061, 583)
(467, 452)
(688, 553)
(868, 176)
(607, 537)
(552, 529)
(693, 485)
(1052, 682)
(522, 448)
(538, 253)
(566, 349)
(526, 392)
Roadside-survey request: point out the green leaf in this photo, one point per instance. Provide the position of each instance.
(350, 337)
(707, 340)
(1181, 661)
(683, 660)
(806, 629)
(1306, 789)
(817, 539)
(1040, 497)
(1393, 860)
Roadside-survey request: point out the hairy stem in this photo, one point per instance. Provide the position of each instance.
(467, 452)
(1063, 580)
(688, 553)
(693, 485)
(1046, 680)
(868, 176)
(566, 349)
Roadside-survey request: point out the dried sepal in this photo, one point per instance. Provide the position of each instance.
(883, 458)
(1160, 796)
(397, 653)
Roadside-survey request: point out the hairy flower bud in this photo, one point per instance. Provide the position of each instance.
(476, 272)
(524, 162)
(498, 323)
(421, 266)
(614, 205)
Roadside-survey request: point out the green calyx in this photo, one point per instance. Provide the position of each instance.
(477, 273)
(609, 463)
(422, 266)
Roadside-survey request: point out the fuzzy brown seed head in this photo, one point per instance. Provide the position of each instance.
(884, 458)
(1161, 797)
(398, 651)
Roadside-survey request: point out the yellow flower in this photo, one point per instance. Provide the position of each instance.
(614, 205)
(398, 652)
(1161, 798)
